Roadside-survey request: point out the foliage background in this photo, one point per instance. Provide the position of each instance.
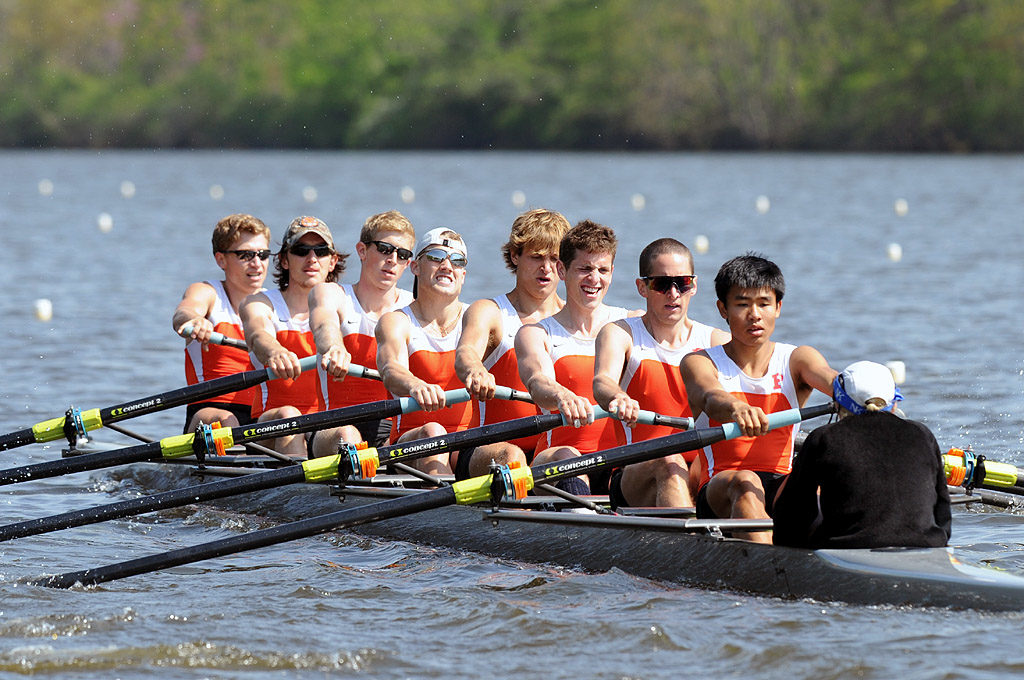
(565, 74)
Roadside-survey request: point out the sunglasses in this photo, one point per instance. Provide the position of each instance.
(246, 255)
(385, 248)
(302, 250)
(439, 255)
(663, 284)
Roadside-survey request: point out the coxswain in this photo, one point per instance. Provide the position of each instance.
(869, 480)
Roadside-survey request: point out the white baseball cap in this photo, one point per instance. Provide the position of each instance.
(862, 381)
(441, 236)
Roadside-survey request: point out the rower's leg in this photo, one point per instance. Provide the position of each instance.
(432, 465)
(325, 442)
(579, 485)
(211, 414)
(662, 482)
(502, 453)
(739, 494)
(293, 445)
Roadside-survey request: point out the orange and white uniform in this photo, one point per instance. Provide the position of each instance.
(776, 391)
(652, 377)
(357, 333)
(502, 364)
(573, 358)
(304, 392)
(217, 361)
(432, 360)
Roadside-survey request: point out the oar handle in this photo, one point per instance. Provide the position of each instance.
(218, 338)
(450, 397)
(305, 364)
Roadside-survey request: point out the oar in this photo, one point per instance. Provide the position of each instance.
(85, 421)
(218, 339)
(470, 491)
(212, 441)
(353, 462)
(967, 469)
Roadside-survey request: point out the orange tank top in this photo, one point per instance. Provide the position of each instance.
(303, 392)
(217, 361)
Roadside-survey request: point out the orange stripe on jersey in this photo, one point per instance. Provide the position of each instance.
(436, 368)
(658, 387)
(217, 361)
(304, 392)
(576, 372)
(352, 391)
(772, 452)
(506, 372)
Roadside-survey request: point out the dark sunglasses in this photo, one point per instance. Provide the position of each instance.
(246, 255)
(439, 255)
(385, 248)
(302, 250)
(663, 284)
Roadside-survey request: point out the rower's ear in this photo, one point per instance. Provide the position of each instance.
(721, 309)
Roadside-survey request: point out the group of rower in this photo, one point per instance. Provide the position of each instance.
(570, 355)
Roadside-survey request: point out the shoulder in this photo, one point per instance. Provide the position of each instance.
(620, 329)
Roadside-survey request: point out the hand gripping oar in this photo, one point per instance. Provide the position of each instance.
(80, 422)
(470, 491)
(352, 462)
(211, 441)
(218, 339)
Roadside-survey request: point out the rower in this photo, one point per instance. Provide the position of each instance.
(416, 346)
(556, 355)
(276, 324)
(486, 357)
(743, 380)
(343, 319)
(870, 480)
(241, 248)
(637, 367)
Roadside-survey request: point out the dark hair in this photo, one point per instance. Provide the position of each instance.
(662, 246)
(281, 274)
(749, 271)
(588, 236)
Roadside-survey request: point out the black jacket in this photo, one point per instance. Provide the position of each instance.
(882, 484)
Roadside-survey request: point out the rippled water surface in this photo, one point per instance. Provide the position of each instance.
(349, 605)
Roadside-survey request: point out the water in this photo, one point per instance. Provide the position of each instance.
(344, 604)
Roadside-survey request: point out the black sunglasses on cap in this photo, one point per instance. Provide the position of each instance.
(246, 255)
(302, 250)
(385, 248)
(663, 284)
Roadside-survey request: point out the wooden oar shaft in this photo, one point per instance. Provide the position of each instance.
(258, 539)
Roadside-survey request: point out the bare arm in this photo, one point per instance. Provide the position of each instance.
(810, 371)
(326, 301)
(613, 346)
(260, 334)
(481, 333)
(706, 395)
(537, 372)
(195, 306)
(719, 337)
(393, 363)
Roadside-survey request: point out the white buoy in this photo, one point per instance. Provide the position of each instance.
(762, 204)
(45, 187)
(898, 370)
(105, 222)
(127, 188)
(309, 194)
(44, 309)
(638, 201)
(900, 206)
(216, 192)
(408, 194)
(895, 252)
(518, 198)
(701, 244)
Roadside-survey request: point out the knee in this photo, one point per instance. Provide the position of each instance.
(670, 466)
(432, 430)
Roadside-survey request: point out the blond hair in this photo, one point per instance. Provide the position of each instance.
(392, 220)
(228, 229)
(542, 228)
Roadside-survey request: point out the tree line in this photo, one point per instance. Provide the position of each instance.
(908, 75)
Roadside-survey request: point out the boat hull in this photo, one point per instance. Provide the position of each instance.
(664, 549)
